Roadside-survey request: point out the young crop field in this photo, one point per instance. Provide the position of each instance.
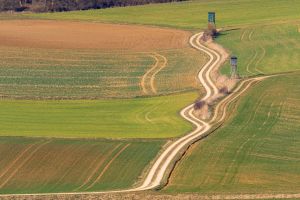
(122, 61)
(188, 15)
(132, 118)
(59, 165)
(90, 74)
(69, 79)
(264, 49)
(256, 151)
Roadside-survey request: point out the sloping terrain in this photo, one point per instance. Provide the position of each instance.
(264, 49)
(28, 73)
(131, 118)
(75, 60)
(78, 35)
(188, 15)
(60, 165)
(256, 151)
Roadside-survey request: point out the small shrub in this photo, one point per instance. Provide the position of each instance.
(224, 90)
(199, 104)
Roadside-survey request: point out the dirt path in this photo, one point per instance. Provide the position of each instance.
(161, 167)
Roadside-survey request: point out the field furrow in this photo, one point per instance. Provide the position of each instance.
(74, 165)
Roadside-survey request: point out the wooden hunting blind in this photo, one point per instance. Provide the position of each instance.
(233, 63)
(212, 17)
(212, 23)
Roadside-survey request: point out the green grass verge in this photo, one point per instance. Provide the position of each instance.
(187, 15)
(59, 165)
(132, 118)
(256, 151)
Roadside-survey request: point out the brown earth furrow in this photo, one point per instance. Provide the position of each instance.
(98, 165)
(16, 169)
(21, 154)
(108, 165)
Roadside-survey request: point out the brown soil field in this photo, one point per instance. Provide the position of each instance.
(83, 35)
(64, 165)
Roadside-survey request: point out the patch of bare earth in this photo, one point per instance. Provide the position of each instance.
(83, 35)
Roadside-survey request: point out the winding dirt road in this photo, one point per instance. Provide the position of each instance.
(162, 166)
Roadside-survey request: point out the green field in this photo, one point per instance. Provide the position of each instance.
(156, 117)
(189, 15)
(59, 165)
(256, 151)
(264, 49)
(89, 74)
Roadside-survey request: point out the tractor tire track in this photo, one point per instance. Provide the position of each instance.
(16, 169)
(163, 65)
(148, 79)
(21, 154)
(98, 166)
(107, 166)
(145, 76)
(260, 59)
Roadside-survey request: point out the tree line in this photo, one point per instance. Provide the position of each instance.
(69, 5)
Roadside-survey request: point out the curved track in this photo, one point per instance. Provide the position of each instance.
(161, 167)
(147, 83)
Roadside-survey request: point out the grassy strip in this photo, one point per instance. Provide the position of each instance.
(132, 118)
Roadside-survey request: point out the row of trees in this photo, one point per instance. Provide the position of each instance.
(68, 5)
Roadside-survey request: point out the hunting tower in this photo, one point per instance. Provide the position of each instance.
(233, 63)
(212, 22)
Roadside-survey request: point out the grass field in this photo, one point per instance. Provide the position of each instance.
(256, 151)
(189, 15)
(48, 165)
(264, 49)
(133, 118)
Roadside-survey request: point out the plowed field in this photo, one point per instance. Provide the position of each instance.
(75, 35)
(47, 165)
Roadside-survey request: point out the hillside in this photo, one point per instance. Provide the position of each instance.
(125, 103)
